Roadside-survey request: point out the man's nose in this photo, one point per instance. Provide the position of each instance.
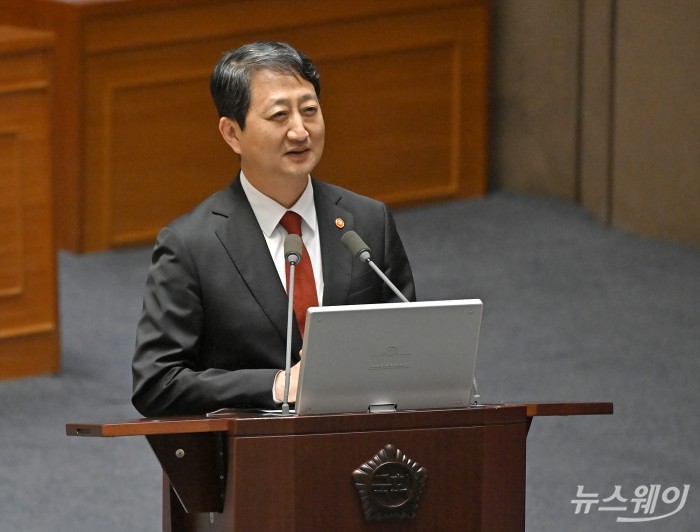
(297, 128)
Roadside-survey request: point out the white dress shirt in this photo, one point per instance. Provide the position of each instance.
(268, 213)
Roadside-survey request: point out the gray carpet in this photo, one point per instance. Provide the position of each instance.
(573, 311)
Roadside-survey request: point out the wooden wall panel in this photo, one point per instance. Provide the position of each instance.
(595, 127)
(534, 96)
(154, 148)
(28, 322)
(148, 146)
(597, 102)
(390, 132)
(11, 279)
(656, 149)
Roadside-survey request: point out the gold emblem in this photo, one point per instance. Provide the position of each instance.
(339, 223)
(390, 485)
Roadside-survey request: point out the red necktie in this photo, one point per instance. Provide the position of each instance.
(304, 284)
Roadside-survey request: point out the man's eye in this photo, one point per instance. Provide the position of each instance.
(311, 110)
(279, 115)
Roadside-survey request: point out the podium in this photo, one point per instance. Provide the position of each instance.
(452, 469)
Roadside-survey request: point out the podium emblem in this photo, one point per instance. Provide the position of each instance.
(390, 485)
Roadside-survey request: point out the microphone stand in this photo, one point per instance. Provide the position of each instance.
(288, 361)
(355, 245)
(385, 279)
(293, 246)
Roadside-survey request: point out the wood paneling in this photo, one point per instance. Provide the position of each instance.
(596, 134)
(656, 123)
(596, 102)
(404, 97)
(534, 95)
(28, 324)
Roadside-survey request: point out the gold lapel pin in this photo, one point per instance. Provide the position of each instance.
(339, 223)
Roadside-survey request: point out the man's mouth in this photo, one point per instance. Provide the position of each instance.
(298, 151)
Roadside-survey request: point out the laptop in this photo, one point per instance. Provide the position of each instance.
(389, 357)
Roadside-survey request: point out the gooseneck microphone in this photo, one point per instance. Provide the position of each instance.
(361, 252)
(292, 248)
(292, 254)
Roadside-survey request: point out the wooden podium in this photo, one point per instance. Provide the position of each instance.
(454, 469)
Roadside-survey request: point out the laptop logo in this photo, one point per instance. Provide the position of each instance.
(390, 358)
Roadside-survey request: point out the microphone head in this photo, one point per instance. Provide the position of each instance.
(292, 248)
(356, 245)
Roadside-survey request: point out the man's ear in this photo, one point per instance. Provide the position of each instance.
(231, 132)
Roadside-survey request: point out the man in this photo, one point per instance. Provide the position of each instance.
(213, 329)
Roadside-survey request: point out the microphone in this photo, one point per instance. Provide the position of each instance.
(292, 254)
(356, 246)
(361, 252)
(292, 248)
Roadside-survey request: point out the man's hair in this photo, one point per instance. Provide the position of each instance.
(231, 78)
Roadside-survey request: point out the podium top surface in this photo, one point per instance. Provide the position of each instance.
(249, 423)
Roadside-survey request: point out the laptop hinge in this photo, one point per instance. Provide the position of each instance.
(382, 408)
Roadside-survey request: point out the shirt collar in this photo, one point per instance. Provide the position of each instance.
(268, 212)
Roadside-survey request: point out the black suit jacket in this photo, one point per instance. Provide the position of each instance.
(213, 328)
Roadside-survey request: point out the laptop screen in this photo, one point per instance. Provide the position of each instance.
(393, 356)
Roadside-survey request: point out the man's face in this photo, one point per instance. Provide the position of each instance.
(284, 132)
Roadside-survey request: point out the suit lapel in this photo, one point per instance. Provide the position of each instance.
(245, 244)
(337, 262)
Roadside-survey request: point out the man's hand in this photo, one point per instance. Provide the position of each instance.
(293, 381)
